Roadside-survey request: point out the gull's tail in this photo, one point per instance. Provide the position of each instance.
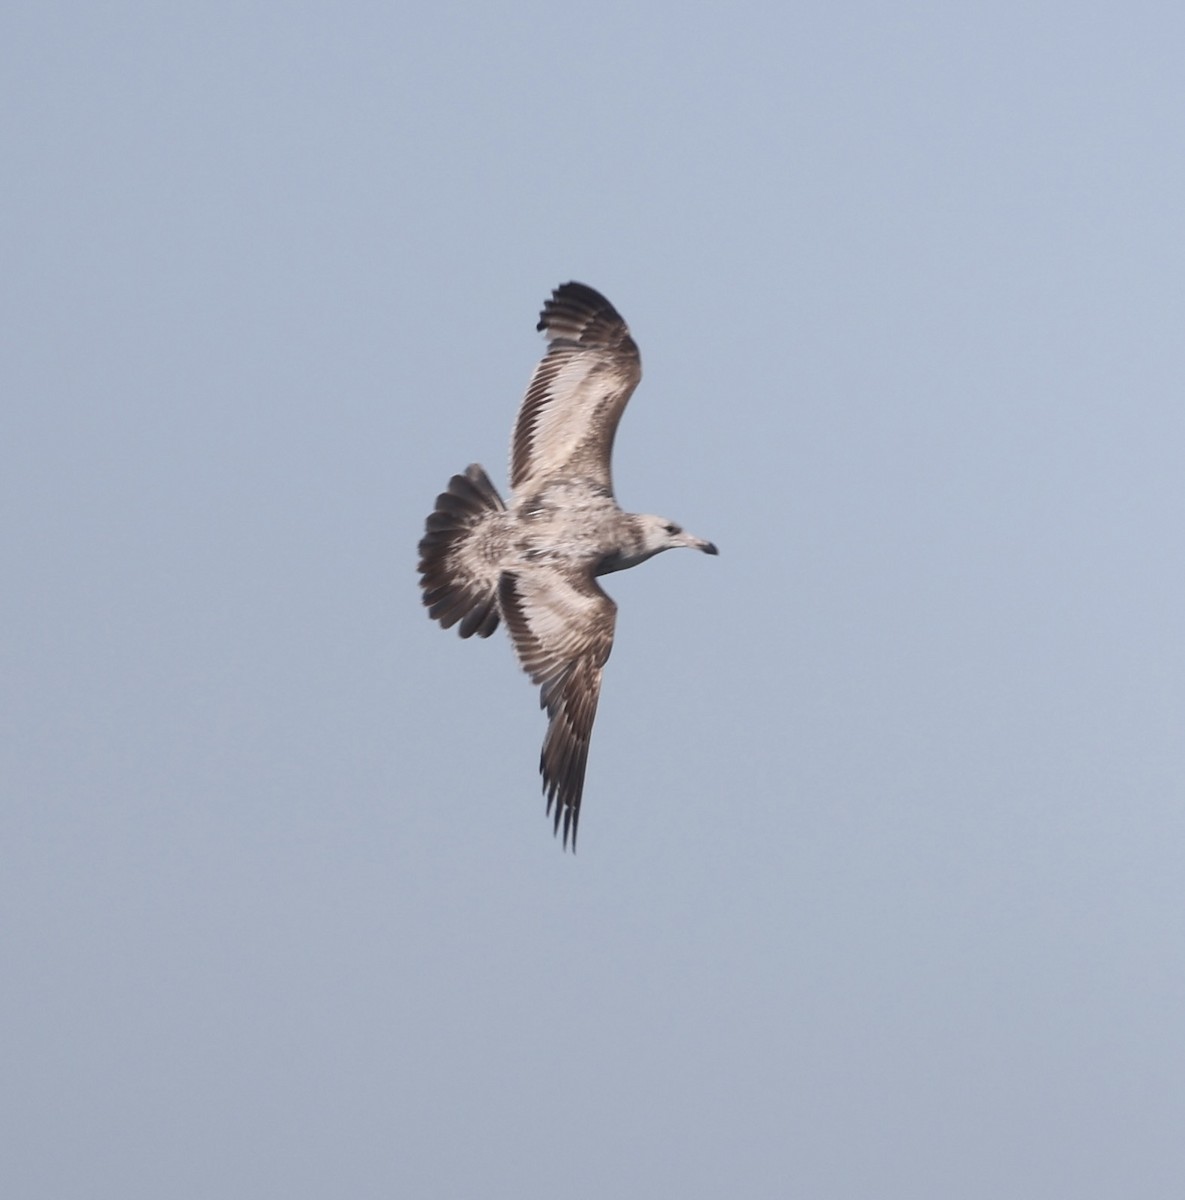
(459, 582)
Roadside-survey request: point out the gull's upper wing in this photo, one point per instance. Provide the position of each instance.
(575, 399)
(562, 627)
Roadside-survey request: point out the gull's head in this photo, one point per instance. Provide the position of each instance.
(659, 533)
(647, 537)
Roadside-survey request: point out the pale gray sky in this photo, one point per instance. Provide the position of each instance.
(880, 890)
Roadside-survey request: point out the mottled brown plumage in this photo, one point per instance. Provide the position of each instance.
(534, 565)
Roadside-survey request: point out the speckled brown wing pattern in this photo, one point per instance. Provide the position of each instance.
(562, 626)
(569, 416)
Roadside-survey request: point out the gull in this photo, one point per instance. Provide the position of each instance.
(534, 563)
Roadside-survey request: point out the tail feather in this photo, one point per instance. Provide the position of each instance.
(456, 587)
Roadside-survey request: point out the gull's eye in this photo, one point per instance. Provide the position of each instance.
(671, 528)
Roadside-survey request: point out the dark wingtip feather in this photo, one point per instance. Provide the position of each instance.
(581, 314)
(563, 784)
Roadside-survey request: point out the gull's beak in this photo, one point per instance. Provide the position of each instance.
(699, 544)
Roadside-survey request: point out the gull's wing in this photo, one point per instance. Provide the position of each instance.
(569, 415)
(562, 627)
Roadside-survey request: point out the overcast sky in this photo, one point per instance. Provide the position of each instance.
(880, 891)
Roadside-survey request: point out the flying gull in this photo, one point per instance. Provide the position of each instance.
(535, 563)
